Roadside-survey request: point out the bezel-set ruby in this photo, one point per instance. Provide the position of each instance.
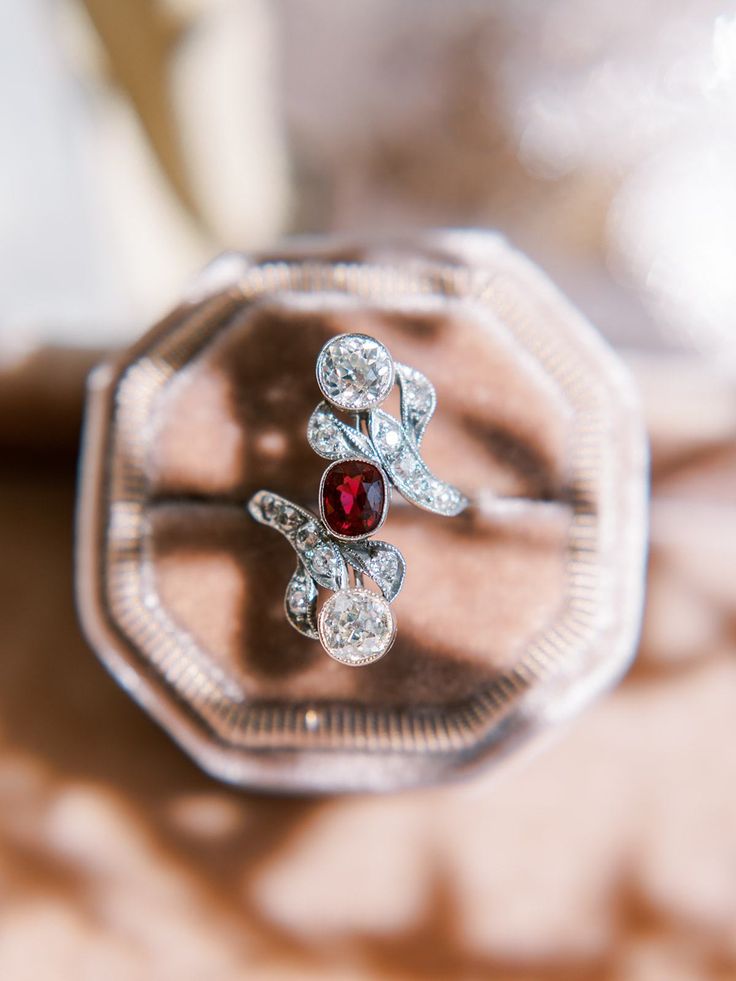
(353, 498)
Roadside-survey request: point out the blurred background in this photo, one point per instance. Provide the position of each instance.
(141, 138)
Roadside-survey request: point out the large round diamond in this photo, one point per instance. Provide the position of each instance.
(355, 372)
(356, 626)
(353, 498)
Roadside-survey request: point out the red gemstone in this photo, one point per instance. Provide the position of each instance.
(353, 498)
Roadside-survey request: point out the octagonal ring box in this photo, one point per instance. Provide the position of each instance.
(513, 614)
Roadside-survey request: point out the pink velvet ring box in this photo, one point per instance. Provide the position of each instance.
(513, 614)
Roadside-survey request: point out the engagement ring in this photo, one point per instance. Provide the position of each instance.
(372, 452)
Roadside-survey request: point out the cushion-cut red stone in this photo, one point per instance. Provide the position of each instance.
(353, 497)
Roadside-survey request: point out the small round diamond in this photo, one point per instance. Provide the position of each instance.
(322, 561)
(307, 536)
(407, 465)
(286, 517)
(356, 626)
(355, 372)
(322, 431)
(392, 438)
(420, 400)
(385, 564)
(298, 601)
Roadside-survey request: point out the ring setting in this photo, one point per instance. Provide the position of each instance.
(371, 452)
